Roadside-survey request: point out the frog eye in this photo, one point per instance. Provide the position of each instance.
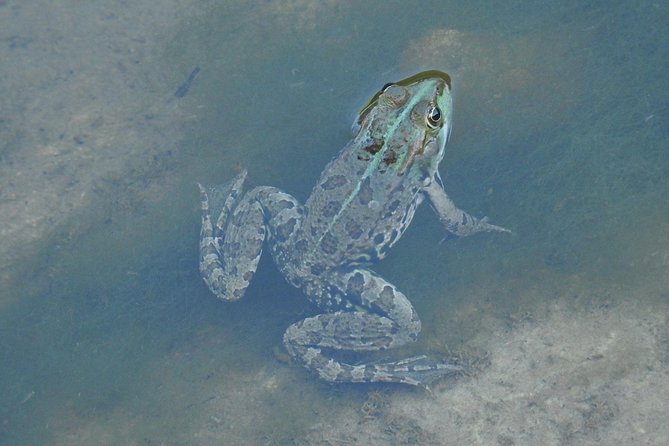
(387, 86)
(434, 117)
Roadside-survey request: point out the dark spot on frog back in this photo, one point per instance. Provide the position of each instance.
(366, 193)
(333, 182)
(372, 145)
(353, 229)
(331, 208)
(329, 243)
(390, 157)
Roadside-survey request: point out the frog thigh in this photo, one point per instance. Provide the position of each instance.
(385, 319)
(376, 295)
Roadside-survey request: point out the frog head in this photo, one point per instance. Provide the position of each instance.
(404, 127)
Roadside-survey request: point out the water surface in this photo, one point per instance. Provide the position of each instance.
(560, 134)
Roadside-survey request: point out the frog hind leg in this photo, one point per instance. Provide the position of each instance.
(230, 248)
(389, 321)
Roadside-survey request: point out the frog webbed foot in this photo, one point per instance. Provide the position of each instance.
(483, 226)
(456, 221)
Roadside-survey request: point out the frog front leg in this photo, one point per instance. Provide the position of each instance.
(384, 318)
(455, 221)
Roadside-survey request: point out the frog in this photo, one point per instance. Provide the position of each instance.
(363, 202)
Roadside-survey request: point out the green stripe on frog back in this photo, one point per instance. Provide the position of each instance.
(418, 95)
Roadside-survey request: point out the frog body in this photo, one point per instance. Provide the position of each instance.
(361, 205)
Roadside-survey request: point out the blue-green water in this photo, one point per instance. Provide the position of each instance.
(561, 133)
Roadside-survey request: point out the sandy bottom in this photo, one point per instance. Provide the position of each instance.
(88, 118)
(577, 369)
(589, 377)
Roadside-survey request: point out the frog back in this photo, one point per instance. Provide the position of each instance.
(358, 210)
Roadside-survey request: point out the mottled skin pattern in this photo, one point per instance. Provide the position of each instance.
(362, 204)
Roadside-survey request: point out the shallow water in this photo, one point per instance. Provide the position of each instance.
(560, 134)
